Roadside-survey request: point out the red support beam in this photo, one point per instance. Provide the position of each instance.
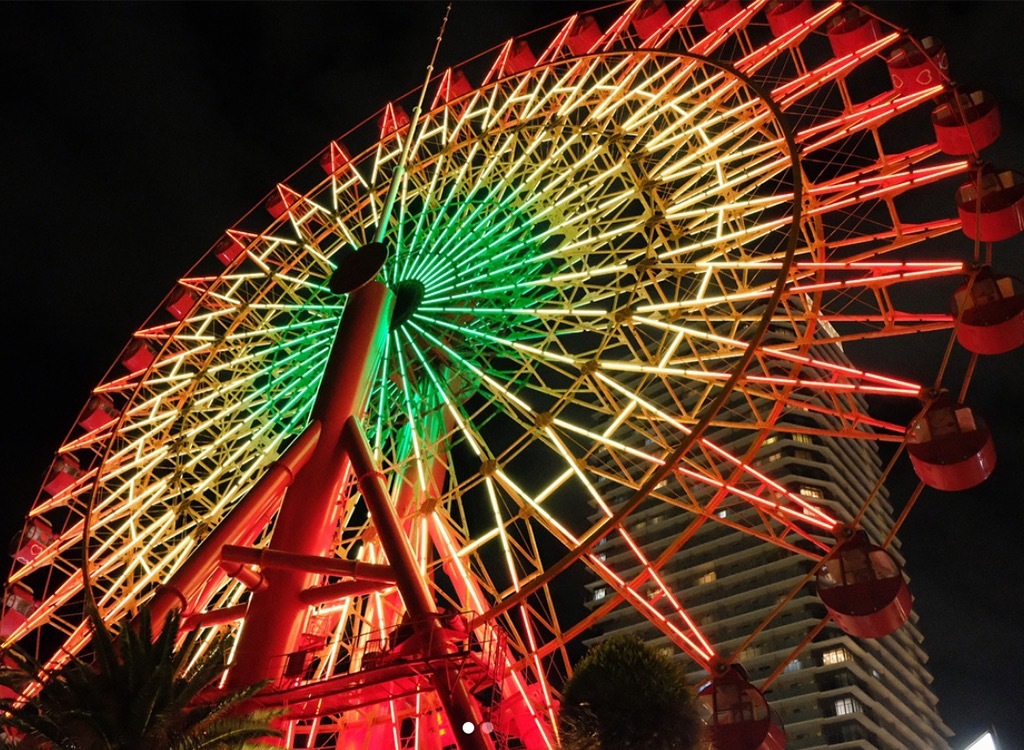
(456, 699)
(310, 511)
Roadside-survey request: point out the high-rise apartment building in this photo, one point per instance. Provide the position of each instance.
(835, 690)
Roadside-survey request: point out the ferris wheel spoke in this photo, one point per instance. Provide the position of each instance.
(836, 69)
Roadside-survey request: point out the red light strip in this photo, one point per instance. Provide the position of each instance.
(776, 510)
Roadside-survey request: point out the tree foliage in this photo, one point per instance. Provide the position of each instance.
(135, 692)
(626, 695)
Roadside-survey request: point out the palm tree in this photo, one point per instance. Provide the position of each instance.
(626, 695)
(137, 692)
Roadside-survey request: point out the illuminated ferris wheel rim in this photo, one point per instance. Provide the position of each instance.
(765, 316)
(231, 321)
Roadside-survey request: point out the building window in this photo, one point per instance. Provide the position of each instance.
(750, 652)
(835, 655)
(722, 513)
(600, 593)
(814, 492)
(847, 705)
(799, 437)
(852, 733)
(793, 666)
(709, 577)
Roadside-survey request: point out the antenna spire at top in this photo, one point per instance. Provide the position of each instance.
(396, 178)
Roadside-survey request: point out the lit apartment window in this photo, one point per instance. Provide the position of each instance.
(708, 577)
(600, 593)
(722, 513)
(835, 655)
(847, 705)
(799, 437)
(794, 666)
(814, 492)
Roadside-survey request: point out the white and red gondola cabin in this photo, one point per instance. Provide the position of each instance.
(786, 15)
(19, 604)
(991, 207)
(64, 472)
(966, 122)
(915, 66)
(739, 717)
(991, 312)
(851, 29)
(32, 540)
(863, 588)
(950, 446)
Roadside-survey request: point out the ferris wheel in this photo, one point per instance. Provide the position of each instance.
(376, 427)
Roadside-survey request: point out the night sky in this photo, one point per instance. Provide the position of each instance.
(135, 133)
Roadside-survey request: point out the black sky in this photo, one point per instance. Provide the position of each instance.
(135, 133)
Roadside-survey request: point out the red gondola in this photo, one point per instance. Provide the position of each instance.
(228, 248)
(950, 447)
(650, 17)
(585, 35)
(64, 472)
(99, 412)
(786, 15)
(966, 123)
(991, 313)
(992, 208)
(19, 604)
(852, 29)
(740, 717)
(138, 356)
(914, 66)
(519, 57)
(394, 119)
(715, 14)
(180, 303)
(279, 202)
(33, 539)
(863, 588)
(453, 85)
(335, 157)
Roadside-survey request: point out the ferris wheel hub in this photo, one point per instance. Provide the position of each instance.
(358, 267)
(408, 296)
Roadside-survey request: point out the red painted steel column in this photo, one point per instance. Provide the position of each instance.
(312, 505)
(457, 701)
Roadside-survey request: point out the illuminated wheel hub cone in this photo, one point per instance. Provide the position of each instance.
(408, 296)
